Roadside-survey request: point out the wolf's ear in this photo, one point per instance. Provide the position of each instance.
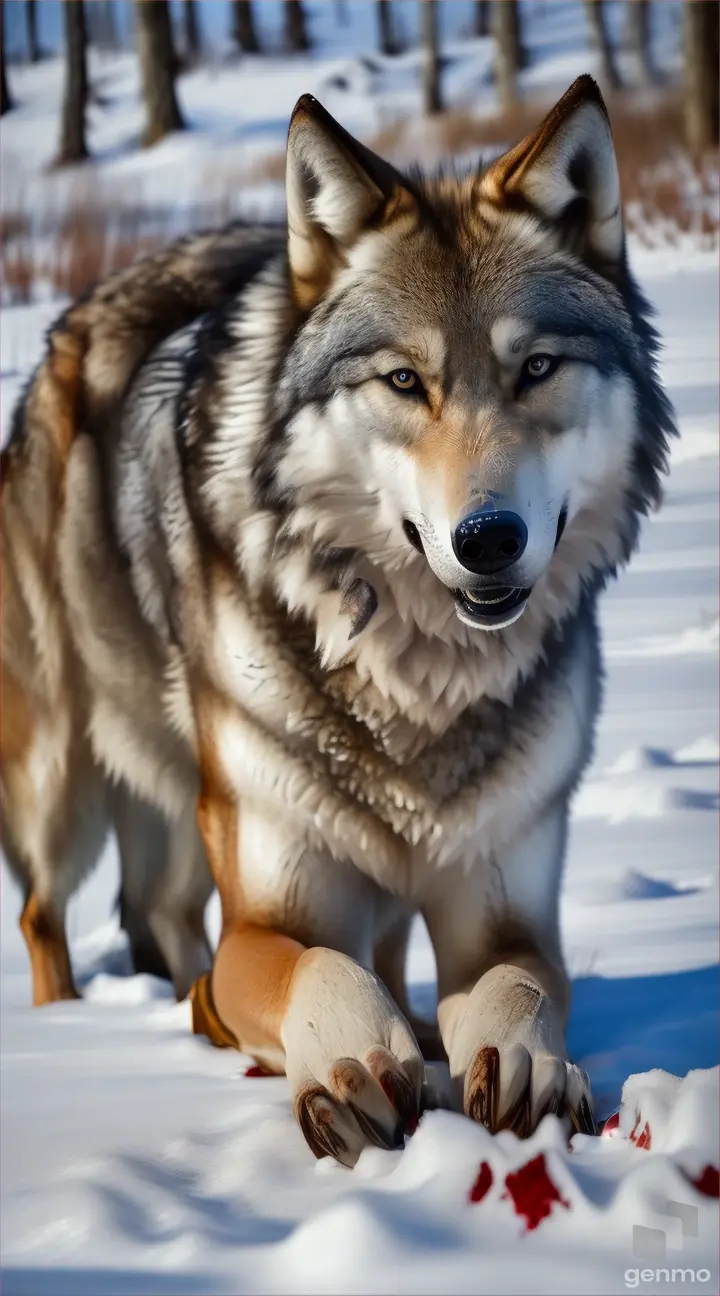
(336, 189)
(566, 170)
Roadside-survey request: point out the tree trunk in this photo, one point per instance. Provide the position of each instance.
(432, 98)
(72, 134)
(482, 17)
(296, 37)
(191, 30)
(386, 31)
(5, 100)
(637, 35)
(701, 47)
(600, 41)
(109, 27)
(158, 66)
(33, 48)
(102, 30)
(243, 29)
(509, 57)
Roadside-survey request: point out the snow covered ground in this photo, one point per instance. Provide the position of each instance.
(134, 1158)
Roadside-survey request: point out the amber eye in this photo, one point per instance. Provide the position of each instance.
(541, 366)
(405, 380)
(536, 369)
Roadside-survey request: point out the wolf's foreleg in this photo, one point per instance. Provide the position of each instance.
(503, 993)
(329, 1023)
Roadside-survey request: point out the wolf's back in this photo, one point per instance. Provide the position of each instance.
(96, 347)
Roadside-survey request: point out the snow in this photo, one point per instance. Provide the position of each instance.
(138, 1159)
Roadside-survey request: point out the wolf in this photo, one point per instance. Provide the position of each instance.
(304, 533)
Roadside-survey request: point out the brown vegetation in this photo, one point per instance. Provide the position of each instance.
(97, 227)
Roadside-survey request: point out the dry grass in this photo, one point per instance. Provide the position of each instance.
(77, 239)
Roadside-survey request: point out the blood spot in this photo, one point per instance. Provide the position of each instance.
(708, 1183)
(482, 1184)
(612, 1124)
(533, 1192)
(644, 1138)
(257, 1073)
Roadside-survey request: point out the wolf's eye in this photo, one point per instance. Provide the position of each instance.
(540, 366)
(406, 380)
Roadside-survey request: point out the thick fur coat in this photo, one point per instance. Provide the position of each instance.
(260, 611)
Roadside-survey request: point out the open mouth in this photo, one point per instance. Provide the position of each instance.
(492, 607)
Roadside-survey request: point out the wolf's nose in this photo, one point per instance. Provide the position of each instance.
(486, 543)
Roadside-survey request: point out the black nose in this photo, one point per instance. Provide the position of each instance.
(486, 543)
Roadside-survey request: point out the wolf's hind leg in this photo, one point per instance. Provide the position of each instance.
(42, 924)
(165, 887)
(53, 823)
(49, 861)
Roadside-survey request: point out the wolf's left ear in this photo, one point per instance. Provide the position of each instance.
(336, 189)
(566, 171)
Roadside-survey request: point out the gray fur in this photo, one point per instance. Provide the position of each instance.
(230, 570)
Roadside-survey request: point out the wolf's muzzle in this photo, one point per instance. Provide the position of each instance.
(486, 543)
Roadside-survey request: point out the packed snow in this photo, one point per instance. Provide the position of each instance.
(135, 1158)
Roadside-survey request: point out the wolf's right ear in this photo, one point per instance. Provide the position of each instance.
(567, 172)
(336, 189)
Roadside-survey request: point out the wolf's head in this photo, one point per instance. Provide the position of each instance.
(473, 375)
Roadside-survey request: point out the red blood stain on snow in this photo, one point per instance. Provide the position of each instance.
(708, 1183)
(533, 1192)
(611, 1124)
(257, 1073)
(482, 1184)
(644, 1138)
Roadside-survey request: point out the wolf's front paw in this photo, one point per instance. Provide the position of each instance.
(514, 1088)
(509, 1057)
(354, 1067)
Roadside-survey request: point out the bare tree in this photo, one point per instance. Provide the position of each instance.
(637, 36)
(509, 54)
(386, 29)
(191, 29)
(72, 132)
(101, 25)
(702, 49)
(33, 48)
(296, 37)
(108, 26)
(243, 27)
(600, 40)
(432, 97)
(158, 66)
(481, 17)
(5, 100)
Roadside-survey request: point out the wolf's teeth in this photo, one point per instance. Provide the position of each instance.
(500, 598)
